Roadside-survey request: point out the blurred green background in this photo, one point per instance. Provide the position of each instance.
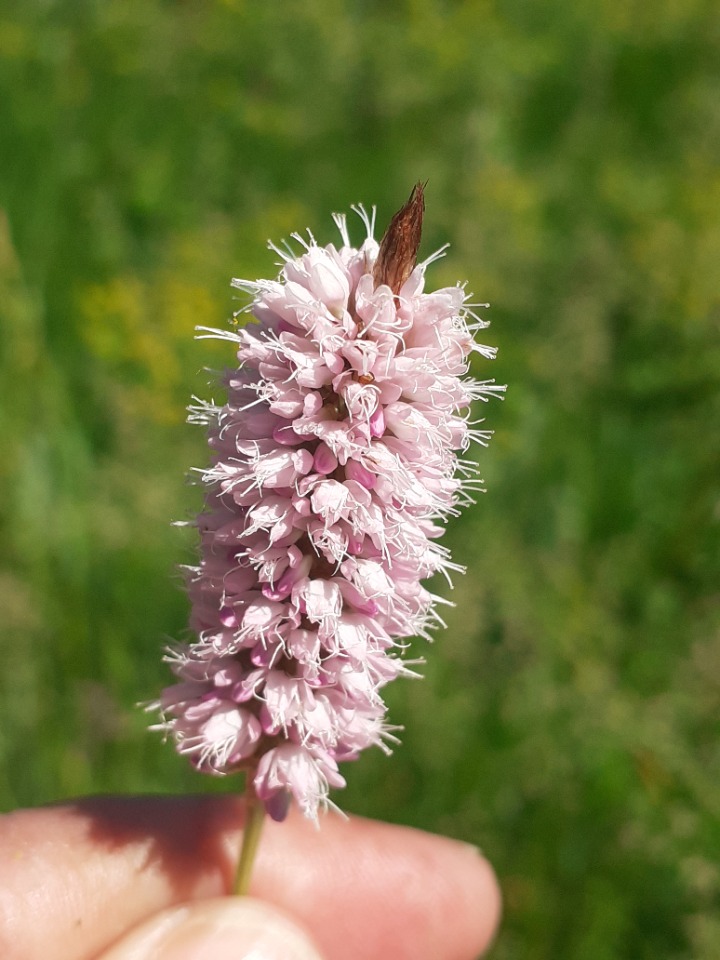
(568, 722)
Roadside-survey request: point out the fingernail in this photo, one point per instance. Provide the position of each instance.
(227, 928)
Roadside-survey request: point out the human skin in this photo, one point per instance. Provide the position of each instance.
(75, 878)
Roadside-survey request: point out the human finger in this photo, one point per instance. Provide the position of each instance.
(80, 875)
(224, 928)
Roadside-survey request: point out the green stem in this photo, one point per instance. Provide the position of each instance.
(251, 838)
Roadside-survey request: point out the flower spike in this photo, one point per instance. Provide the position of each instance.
(334, 465)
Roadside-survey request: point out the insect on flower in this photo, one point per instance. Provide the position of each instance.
(336, 460)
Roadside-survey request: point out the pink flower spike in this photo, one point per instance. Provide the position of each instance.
(334, 467)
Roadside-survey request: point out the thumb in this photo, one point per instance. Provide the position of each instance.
(226, 928)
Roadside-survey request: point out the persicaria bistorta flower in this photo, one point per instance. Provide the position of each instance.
(335, 465)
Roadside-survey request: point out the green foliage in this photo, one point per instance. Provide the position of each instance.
(567, 722)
